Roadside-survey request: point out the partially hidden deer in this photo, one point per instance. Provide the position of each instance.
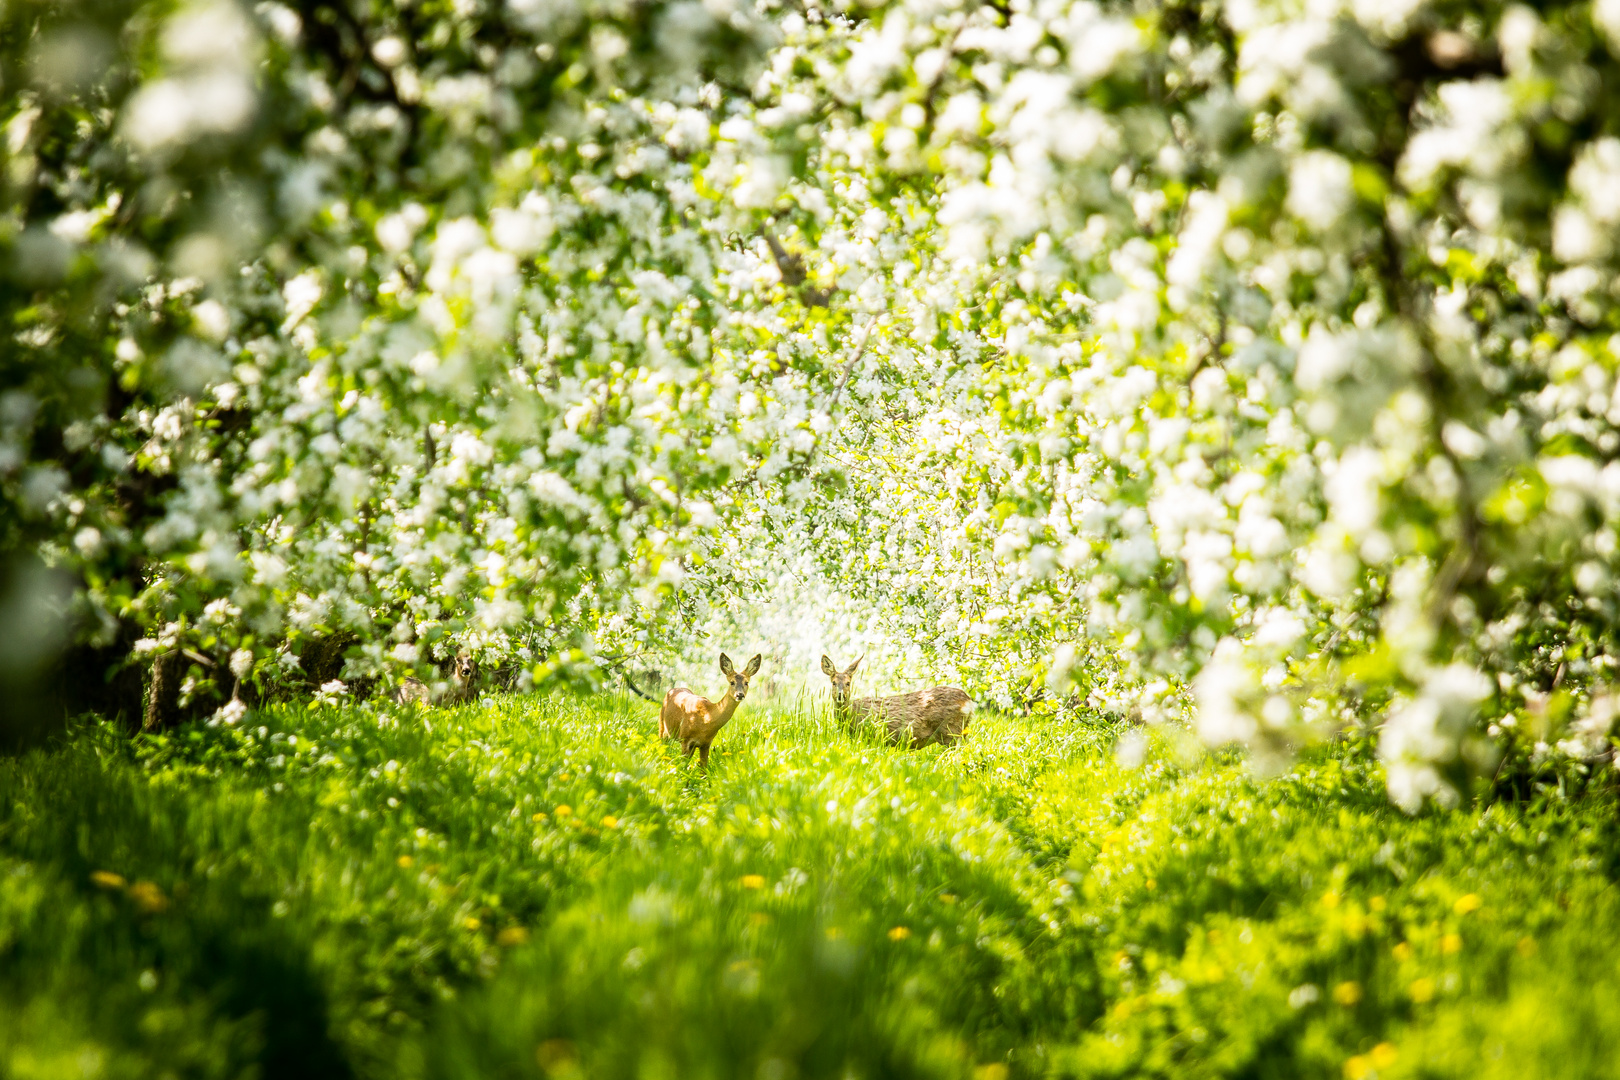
(937, 715)
(463, 676)
(696, 720)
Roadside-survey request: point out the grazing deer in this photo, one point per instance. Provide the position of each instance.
(936, 715)
(463, 674)
(697, 720)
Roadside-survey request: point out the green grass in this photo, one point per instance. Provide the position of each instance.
(326, 894)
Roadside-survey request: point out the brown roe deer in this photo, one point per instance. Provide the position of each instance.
(463, 678)
(936, 715)
(697, 720)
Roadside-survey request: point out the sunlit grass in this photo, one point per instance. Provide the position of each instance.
(540, 886)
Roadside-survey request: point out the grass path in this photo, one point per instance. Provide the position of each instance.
(538, 887)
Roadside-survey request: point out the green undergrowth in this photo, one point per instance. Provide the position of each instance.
(538, 887)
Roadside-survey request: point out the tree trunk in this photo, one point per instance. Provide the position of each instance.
(163, 695)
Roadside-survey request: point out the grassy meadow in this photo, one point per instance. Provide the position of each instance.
(535, 886)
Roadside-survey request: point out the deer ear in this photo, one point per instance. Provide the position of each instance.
(753, 666)
(725, 666)
(856, 664)
(827, 666)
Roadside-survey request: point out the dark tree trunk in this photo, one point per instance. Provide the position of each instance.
(163, 694)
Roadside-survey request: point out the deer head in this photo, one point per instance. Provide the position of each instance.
(464, 668)
(841, 680)
(739, 679)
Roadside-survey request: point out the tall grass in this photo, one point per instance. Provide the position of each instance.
(536, 886)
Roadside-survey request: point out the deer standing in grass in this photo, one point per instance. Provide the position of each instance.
(462, 688)
(936, 715)
(697, 720)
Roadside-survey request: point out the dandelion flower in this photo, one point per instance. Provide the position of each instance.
(148, 897)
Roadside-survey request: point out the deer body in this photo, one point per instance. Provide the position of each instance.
(695, 720)
(463, 675)
(937, 715)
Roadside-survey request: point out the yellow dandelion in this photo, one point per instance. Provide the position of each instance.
(1152, 884)
(554, 1055)
(610, 822)
(1347, 993)
(107, 879)
(899, 933)
(1451, 943)
(148, 897)
(753, 881)
(948, 898)
(1383, 1055)
(1421, 990)
(1330, 900)
(405, 862)
(993, 1071)
(1468, 903)
(1402, 951)
(1357, 1068)
(471, 923)
(539, 815)
(1377, 903)
(513, 935)
(564, 810)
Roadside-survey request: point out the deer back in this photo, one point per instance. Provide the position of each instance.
(410, 690)
(936, 715)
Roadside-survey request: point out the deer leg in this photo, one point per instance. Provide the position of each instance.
(686, 750)
(703, 758)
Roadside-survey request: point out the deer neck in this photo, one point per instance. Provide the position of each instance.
(720, 711)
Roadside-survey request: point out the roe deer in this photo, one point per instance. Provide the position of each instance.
(936, 715)
(696, 720)
(463, 673)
